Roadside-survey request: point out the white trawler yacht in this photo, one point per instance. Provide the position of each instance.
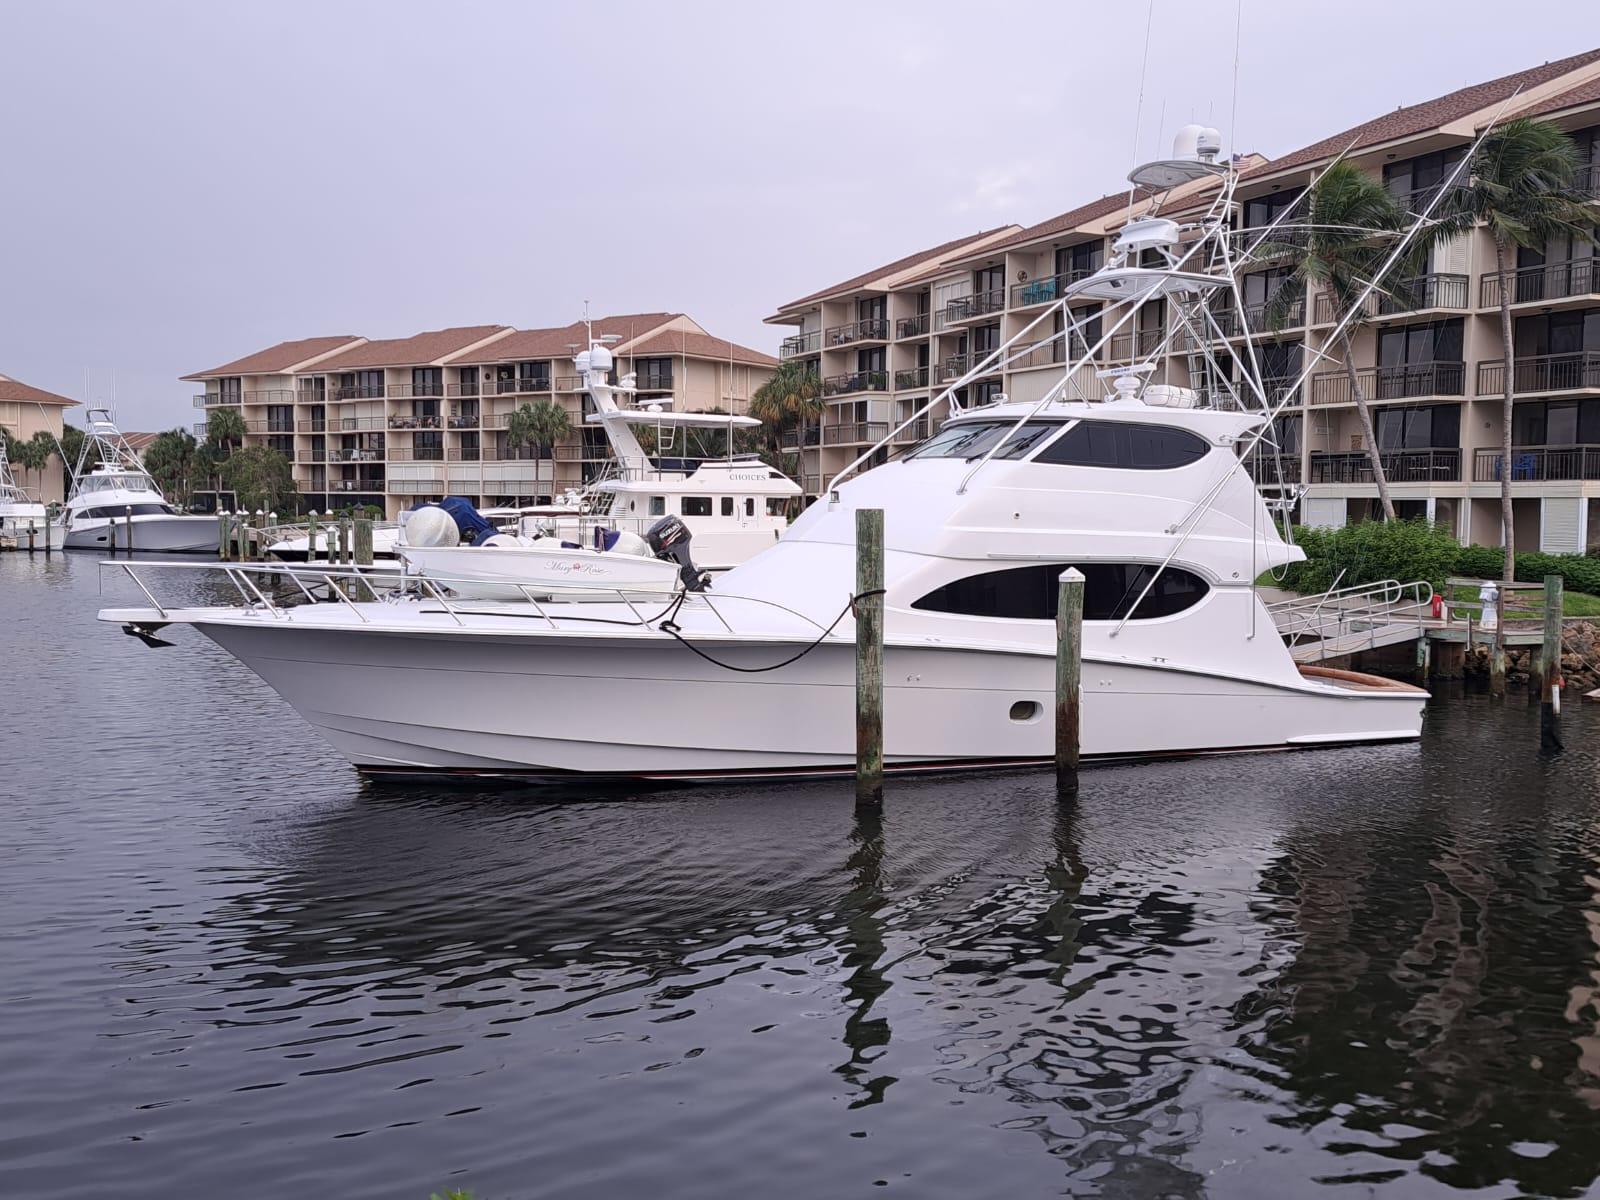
(21, 516)
(119, 495)
(650, 522)
(1140, 485)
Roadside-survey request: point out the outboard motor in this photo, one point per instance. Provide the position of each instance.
(669, 538)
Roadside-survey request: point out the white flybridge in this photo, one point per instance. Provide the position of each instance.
(21, 516)
(1135, 475)
(119, 493)
(650, 522)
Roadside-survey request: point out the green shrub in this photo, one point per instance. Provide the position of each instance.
(1370, 552)
(1373, 551)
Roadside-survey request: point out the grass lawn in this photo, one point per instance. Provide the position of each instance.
(1580, 604)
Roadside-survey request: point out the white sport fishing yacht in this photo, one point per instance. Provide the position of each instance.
(650, 522)
(1141, 486)
(118, 496)
(21, 516)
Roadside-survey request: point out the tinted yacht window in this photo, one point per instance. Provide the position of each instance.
(1124, 445)
(1029, 593)
(974, 439)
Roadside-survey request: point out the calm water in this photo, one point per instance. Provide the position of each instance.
(230, 969)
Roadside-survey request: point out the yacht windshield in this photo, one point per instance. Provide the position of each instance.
(974, 439)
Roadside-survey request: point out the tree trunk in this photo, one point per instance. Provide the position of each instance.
(1369, 435)
(1508, 569)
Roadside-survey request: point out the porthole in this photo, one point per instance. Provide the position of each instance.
(1025, 711)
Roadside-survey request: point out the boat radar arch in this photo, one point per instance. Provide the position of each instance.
(1194, 156)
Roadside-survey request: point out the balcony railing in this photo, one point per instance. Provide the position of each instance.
(1405, 382)
(1553, 281)
(1537, 463)
(463, 421)
(401, 454)
(913, 327)
(354, 424)
(1418, 199)
(375, 486)
(271, 396)
(414, 421)
(1543, 373)
(914, 432)
(310, 456)
(1038, 354)
(359, 391)
(465, 454)
(796, 345)
(1042, 291)
(912, 377)
(312, 425)
(1399, 466)
(463, 389)
(1136, 343)
(525, 385)
(855, 381)
(405, 391)
(206, 399)
(843, 433)
(1267, 468)
(874, 329)
(1417, 294)
(568, 383)
(978, 304)
(1587, 181)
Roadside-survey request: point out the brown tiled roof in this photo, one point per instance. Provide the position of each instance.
(557, 342)
(10, 389)
(1584, 93)
(405, 352)
(1419, 118)
(280, 358)
(700, 345)
(898, 265)
(1084, 213)
(138, 442)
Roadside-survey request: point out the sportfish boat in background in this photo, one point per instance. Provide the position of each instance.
(119, 495)
(21, 516)
(650, 521)
(1141, 485)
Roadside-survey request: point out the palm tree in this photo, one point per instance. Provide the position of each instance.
(1521, 188)
(225, 430)
(34, 454)
(787, 400)
(541, 424)
(170, 459)
(1353, 223)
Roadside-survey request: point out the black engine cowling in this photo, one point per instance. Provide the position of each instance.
(669, 538)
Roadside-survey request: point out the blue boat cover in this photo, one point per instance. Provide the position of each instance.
(474, 529)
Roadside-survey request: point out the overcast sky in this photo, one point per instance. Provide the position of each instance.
(184, 183)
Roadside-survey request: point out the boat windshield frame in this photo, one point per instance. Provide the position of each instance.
(972, 438)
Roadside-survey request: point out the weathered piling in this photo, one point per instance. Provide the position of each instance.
(869, 655)
(31, 533)
(222, 535)
(346, 541)
(1550, 681)
(127, 526)
(1069, 677)
(361, 551)
(311, 536)
(111, 536)
(1424, 659)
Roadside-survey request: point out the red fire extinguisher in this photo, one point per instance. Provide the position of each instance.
(1438, 606)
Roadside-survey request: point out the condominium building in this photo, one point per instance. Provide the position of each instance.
(396, 421)
(1428, 355)
(24, 412)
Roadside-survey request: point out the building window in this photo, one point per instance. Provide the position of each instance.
(1412, 182)
(655, 374)
(427, 381)
(1030, 593)
(231, 389)
(1556, 423)
(1428, 427)
(1076, 262)
(1264, 210)
(534, 376)
(1124, 445)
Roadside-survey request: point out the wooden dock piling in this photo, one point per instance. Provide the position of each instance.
(1550, 681)
(222, 535)
(869, 656)
(127, 526)
(1069, 677)
(1497, 648)
(311, 536)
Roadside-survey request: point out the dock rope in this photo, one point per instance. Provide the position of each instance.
(670, 627)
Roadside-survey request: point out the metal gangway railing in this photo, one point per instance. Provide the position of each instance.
(1345, 620)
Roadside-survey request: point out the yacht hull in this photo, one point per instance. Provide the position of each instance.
(648, 708)
(159, 534)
